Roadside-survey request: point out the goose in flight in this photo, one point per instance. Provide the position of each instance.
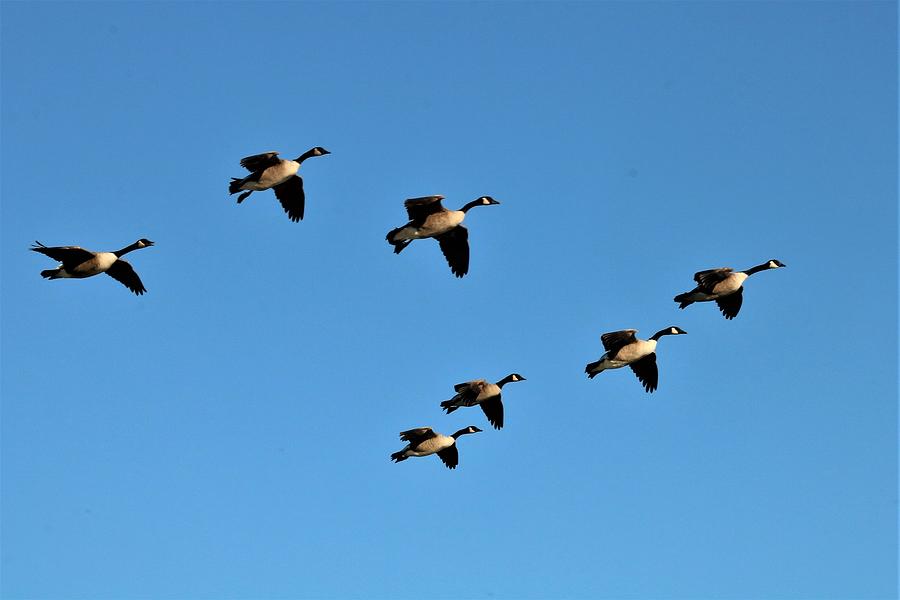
(429, 219)
(724, 285)
(484, 394)
(424, 441)
(78, 263)
(622, 348)
(268, 171)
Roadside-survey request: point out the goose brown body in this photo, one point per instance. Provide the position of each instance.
(624, 349)
(480, 392)
(724, 286)
(79, 263)
(429, 219)
(424, 441)
(268, 171)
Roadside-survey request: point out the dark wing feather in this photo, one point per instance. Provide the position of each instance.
(122, 272)
(455, 246)
(614, 340)
(706, 280)
(258, 162)
(646, 371)
(730, 305)
(449, 456)
(417, 436)
(470, 389)
(419, 208)
(292, 197)
(493, 410)
(69, 256)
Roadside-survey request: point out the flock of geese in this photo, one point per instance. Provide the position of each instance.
(427, 219)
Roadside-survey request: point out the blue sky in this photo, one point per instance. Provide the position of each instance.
(227, 434)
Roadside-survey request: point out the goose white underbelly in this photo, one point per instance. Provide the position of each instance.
(729, 285)
(100, 263)
(430, 446)
(605, 363)
(273, 176)
(406, 233)
(632, 352)
(439, 223)
(434, 225)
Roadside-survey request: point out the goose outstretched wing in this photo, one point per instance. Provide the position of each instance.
(123, 272)
(646, 371)
(730, 305)
(455, 247)
(493, 410)
(69, 256)
(419, 208)
(417, 436)
(615, 340)
(706, 280)
(258, 162)
(449, 456)
(292, 197)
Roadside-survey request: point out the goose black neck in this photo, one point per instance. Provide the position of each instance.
(126, 250)
(757, 269)
(504, 381)
(456, 435)
(661, 333)
(471, 204)
(305, 155)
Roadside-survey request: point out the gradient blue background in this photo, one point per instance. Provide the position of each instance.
(227, 434)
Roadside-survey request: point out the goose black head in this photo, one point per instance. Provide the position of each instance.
(482, 201)
(316, 151)
(775, 263)
(144, 242)
(668, 331)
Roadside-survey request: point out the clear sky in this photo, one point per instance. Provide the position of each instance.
(227, 434)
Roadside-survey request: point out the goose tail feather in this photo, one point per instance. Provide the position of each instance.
(683, 300)
(398, 245)
(235, 186)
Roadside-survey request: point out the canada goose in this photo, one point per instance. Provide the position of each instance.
(269, 171)
(724, 286)
(428, 219)
(79, 263)
(622, 348)
(424, 441)
(484, 394)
